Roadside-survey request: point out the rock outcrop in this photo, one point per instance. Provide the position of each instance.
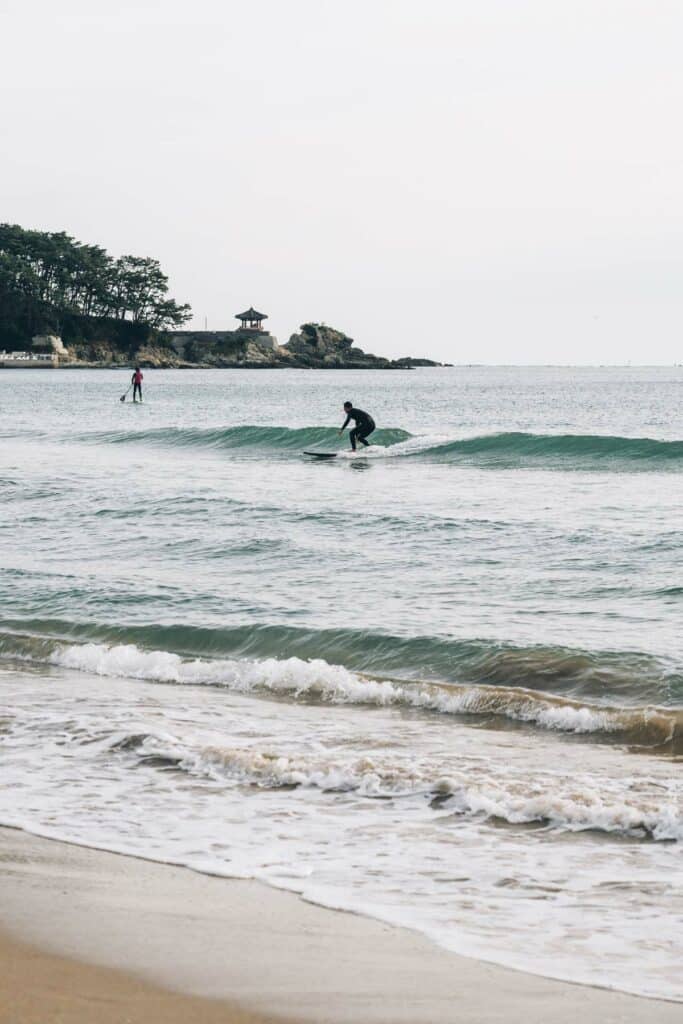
(326, 348)
(323, 347)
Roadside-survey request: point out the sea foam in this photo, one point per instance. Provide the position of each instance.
(566, 803)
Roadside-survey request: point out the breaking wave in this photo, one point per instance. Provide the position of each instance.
(318, 680)
(506, 449)
(619, 677)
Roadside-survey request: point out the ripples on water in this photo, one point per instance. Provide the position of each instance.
(446, 689)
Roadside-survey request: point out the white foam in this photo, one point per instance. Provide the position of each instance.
(411, 446)
(569, 805)
(290, 675)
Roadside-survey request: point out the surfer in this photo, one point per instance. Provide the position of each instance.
(363, 428)
(136, 381)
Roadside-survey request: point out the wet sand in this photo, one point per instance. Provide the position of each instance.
(92, 936)
(40, 988)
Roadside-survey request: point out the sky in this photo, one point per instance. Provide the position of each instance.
(475, 181)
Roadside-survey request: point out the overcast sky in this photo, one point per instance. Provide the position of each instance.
(471, 180)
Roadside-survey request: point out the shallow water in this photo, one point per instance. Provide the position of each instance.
(440, 682)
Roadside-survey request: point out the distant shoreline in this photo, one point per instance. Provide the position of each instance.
(208, 366)
(280, 366)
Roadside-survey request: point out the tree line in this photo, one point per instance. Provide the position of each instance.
(49, 279)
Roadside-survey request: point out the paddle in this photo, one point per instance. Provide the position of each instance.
(123, 396)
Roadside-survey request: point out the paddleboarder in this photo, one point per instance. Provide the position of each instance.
(136, 381)
(363, 428)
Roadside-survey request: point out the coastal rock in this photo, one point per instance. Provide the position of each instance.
(323, 347)
(318, 345)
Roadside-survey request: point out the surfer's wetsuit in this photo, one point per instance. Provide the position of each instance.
(363, 428)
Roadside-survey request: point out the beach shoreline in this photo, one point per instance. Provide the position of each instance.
(146, 936)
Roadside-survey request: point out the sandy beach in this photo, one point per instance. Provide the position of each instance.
(37, 987)
(96, 936)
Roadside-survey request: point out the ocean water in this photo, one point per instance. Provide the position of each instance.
(440, 682)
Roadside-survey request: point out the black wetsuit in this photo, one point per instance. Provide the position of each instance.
(363, 428)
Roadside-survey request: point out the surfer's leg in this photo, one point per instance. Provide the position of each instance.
(362, 437)
(353, 434)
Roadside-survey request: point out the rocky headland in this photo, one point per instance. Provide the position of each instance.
(315, 346)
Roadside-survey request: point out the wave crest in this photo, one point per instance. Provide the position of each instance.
(260, 437)
(621, 676)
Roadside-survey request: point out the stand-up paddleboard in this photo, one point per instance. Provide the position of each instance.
(323, 455)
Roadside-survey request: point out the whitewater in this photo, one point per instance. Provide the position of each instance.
(439, 682)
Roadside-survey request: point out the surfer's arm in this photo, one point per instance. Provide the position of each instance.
(345, 424)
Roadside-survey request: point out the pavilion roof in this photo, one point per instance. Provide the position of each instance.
(251, 314)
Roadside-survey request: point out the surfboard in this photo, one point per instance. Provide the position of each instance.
(323, 455)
